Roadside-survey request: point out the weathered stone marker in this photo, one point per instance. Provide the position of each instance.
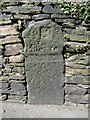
(44, 63)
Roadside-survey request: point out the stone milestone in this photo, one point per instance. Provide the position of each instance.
(44, 64)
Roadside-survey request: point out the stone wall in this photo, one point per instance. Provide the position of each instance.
(15, 17)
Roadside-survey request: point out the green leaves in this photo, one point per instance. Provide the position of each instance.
(3, 6)
(66, 8)
(77, 10)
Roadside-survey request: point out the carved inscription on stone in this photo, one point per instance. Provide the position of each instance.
(44, 62)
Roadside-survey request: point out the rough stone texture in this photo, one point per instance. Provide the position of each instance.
(4, 97)
(23, 9)
(18, 88)
(5, 22)
(81, 72)
(13, 49)
(22, 17)
(7, 70)
(11, 59)
(16, 59)
(61, 19)
(4, 17)
(16, 99)
(74, 89)
(80, 30)
(17, 77)
(74, 65)
(39, 44)
(18, 70)
(8, 30)
(40, 16)
(44, 72)
(60, 16)
(78, 79)
(78, 99)
(79, 38)
(9, 40)
(16, 65)
(68, 25)
(44, 51)
(51, 9)
(5, 85)
(75, 47)
(80, 59)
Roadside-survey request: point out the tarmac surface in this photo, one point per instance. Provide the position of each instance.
(16, 110)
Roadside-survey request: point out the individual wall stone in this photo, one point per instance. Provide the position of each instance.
(75, 90)
(51, 9)
(17, 99)
(17, 88)
(68, 31)
(64, 20)
(9, 40)
(73, 65)
(78, 38)
(5, 22)
(80, 30)
(4, 78)
(22, 17)
(5, 85)
(78, 99)
(60, 16)
(77, 79)
(20, 70)
(12, 65)
(75, 47)
(5, 19)
(6, 91)
(8, 30)
(79, 59)
(13, 49)
(23, 9)
(17, 77)
(41, 16)
(7, 70)
(16, 59)
(82, 72)
(68, 25)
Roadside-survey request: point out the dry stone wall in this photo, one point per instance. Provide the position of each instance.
(15, 17)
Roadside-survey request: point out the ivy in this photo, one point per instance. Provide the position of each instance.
(77, 10)
(3, 6)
